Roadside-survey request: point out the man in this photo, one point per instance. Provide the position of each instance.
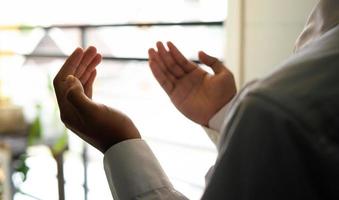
(279, 136)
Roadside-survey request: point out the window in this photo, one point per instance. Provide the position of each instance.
(34, 51)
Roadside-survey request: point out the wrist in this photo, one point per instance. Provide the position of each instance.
(128, 132)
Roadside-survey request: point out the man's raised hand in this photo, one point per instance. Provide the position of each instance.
(97, 124)
(195, 93)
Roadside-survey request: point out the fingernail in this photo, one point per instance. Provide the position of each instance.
(151, 51)
(78, 49)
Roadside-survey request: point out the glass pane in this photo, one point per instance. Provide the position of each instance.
(46, 12)
(135, 41)
(126, 85)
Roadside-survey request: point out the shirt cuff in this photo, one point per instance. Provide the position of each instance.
(215, 123)
(212, 134)
(217, 120)
(132, 169)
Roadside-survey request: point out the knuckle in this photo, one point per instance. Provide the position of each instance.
(184, 62)
(217, 61)
(55, 82)
(68, 126)
(64, 118)
(231, 75)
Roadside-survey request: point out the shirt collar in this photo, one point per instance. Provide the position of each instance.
(323, 18)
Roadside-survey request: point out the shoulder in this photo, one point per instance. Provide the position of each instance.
(307, 85)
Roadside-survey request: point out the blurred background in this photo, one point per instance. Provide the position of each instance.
(40, 159)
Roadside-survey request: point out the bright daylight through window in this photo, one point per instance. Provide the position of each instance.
(33, 45)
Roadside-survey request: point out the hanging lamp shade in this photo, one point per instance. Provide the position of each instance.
(45, 50)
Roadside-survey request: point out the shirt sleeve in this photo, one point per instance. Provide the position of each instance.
(217, 120)
(133, 172)
(215, 124)
(261, 154)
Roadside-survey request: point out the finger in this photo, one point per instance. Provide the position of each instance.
(89, 55)
(159, 75)
(77, 97)
(164, 83)
(212, 62)
(169, 61)
(70, 65)
(91, 67)
(154, 55)
(68, 68)
(185, 64)
(89, 85)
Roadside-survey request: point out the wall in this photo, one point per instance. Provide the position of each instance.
(262, 33)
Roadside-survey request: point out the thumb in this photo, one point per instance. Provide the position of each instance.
(77, 97)
(212, 62)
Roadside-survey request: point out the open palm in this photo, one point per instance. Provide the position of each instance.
(195, 93)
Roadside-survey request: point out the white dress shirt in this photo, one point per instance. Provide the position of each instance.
(133, 171)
